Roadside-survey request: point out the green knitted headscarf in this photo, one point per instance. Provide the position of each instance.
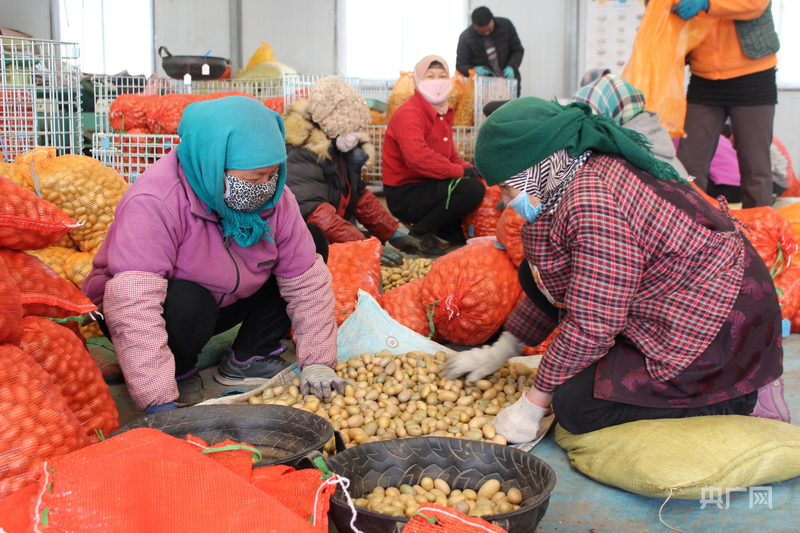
(524, 132)
(231, 133)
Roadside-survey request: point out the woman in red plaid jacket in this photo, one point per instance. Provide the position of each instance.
(664, 310)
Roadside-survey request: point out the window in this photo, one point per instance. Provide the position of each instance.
(113, 35)
(787, 20)
(384, 37)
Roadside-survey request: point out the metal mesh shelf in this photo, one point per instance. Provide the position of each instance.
(40, 98)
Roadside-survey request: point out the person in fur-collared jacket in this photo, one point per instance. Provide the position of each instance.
(326, 152)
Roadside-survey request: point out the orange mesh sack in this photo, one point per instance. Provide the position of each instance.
(43, 293)
(787, 285)
(658, 60)
(37, 422)
(465, 112)
(77, 267)
(67, 242)
(540, 348)
(482, 222)
(475, 288)
(404, 304)
(62, 354)
(9, 170)
(86, 191)
(459, 82)
(297, 490)
(792, 214)
(509, 234)
(403, 90)
(791, 176)
(16, 510)
(771, 234)
(26, 221)
(432, 518)
(130, 111)
(161, 484)
(92, 331)
(10, 308)
(166, 115)
(354, 265)
(54, 257)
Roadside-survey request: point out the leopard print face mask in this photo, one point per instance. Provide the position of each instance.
(243, 196)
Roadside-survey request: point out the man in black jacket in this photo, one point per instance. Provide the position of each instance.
(490, 46)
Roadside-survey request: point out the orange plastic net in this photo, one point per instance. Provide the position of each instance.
(508, 233)
(63, 355)
(404, 304)
(16, 510)
(792, 214)
(432, 518)
(9, 170)
(164, 484)
(474, 288)
(43, 292)
(658, 60)
(793, 188)
(54, 257)
(26, 221)
(540, 348)
(482, 222)
(465, 111)
(10, 308)
(77, 267)
(771, 234)
(354, 265)
(37, 422)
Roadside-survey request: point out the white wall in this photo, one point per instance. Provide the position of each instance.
(28, 16)
(541, 26)
(192, 28)
(787, 124)
(301, 32)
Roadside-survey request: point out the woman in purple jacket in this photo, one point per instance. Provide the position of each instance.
(207, 238)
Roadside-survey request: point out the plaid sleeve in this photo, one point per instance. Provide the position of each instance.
(529, 324)
(607, 266)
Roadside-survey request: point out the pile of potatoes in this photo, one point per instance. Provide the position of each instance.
(411, 269)
(394, 396)
(406, 500)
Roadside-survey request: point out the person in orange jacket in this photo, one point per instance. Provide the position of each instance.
(733, 75)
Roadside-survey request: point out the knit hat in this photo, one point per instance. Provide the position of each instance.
(337, 107)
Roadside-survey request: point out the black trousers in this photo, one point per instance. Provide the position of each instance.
(578, 411)
(425, 206)
(192, 317)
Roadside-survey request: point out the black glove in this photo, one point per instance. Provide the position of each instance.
(406, 243)
(471, 172)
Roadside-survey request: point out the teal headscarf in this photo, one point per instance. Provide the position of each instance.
(231, 133)
(526, 131)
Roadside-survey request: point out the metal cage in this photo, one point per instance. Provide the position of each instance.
(40, 96)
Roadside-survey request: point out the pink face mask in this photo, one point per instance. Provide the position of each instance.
(435, 91)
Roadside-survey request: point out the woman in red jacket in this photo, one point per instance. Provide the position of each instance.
(426, 183)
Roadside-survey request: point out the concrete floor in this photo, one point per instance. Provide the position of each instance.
(579, 504)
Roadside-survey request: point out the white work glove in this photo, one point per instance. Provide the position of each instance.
(519, 422)
(480, 362)
(321, 378)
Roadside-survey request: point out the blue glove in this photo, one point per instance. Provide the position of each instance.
(687, 9)
(508, 73)
(158, 408)
(483, 71)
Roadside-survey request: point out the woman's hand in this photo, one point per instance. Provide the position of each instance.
(322, 379)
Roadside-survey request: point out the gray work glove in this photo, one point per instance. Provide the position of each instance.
(406, 243)
(478, 363)
(322, 379)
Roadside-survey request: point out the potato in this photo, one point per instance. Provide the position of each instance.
(489, 489)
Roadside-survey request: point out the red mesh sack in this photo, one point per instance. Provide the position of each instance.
(475, 288)
(482, 222)
(225, 94)
(130, 111)
(161, 484)
(508, 233)
(10, 308)
(276, 104)
(404, 304)
(297, 490)
(37, 422)
(432, 518)
(540, 348)
(770, 233)
(791, 177)
(354, 265)
(16, 510)
(792, 214)
(166, 114)
(63, 355)
(43, 293)
(787, 285)
(26, 221)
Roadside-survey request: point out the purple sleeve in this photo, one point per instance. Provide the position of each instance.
(296, 250)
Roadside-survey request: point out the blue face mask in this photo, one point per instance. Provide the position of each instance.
(522, 205)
